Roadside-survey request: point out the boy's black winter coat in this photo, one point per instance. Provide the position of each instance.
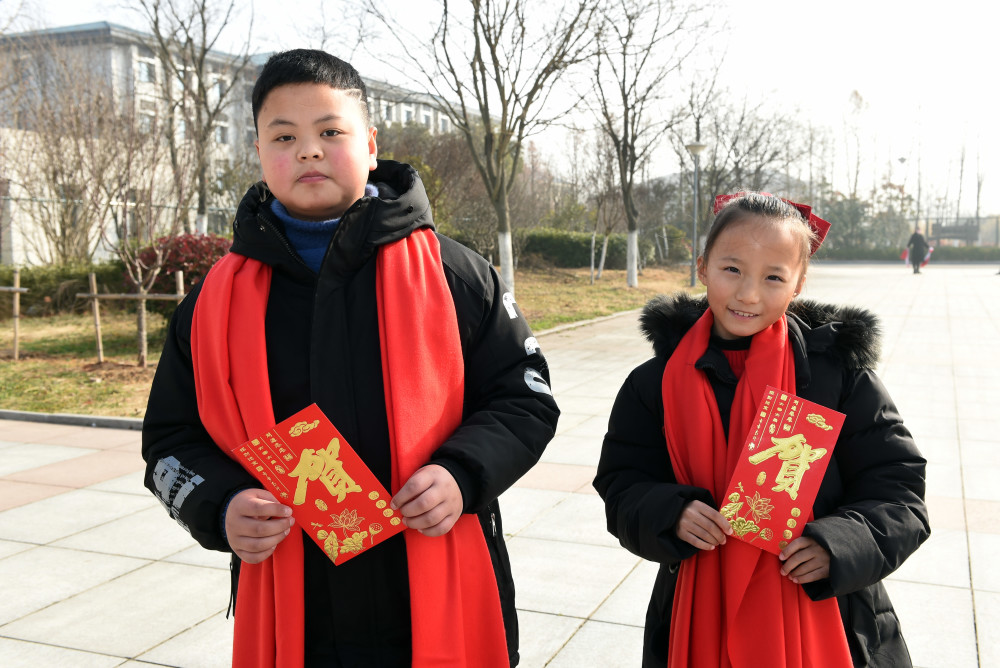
(870, 513)
(323, 347)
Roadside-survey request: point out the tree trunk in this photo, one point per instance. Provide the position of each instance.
(632, 259)
(632, 225)
(593, 244)
(505, 246)
(201, 219)
(140, 317)
(604, 254)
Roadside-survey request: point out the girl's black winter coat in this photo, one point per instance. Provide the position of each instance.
(323, 347)
(870, 512)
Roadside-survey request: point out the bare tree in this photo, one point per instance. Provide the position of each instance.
(639, 44)
(62, 147)
(346, 31)
(492, 68)
(606, 199)
(145, 213)
(198, 86)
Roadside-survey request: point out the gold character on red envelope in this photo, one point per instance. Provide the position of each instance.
(323, 465)
(795, 455)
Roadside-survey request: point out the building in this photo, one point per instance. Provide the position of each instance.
(132, 102)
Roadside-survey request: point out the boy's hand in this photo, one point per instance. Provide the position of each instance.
(805, 560)
(256, 523)
(703, 526)
(430, 501)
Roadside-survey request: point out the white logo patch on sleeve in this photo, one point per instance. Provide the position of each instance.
(531, 345)
(508, 303)
(173, 483)
(535, 382)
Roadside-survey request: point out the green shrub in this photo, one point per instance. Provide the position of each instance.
(889, 254)
(52, 289)
(562, 248)
(966, 254)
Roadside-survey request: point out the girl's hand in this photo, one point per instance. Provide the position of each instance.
(805, 560)
(703, 526)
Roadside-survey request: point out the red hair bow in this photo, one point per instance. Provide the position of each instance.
(818, 225)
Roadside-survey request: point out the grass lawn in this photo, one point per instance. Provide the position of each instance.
(58, 370)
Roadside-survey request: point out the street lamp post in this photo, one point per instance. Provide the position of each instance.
(695, 150)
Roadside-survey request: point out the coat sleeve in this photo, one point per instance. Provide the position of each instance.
(881, 519)
(185, 470)
(642, 497)
(509, 415)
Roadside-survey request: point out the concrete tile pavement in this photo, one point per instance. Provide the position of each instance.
(94, 573)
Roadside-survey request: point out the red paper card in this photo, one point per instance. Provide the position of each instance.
(307, 464)
(770, 496)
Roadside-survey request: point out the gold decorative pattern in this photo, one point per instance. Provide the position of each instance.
(758, 508)
(819, 421)
(302, 427)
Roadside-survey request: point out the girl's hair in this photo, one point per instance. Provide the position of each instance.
(766, 206)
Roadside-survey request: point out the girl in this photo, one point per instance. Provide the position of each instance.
(719, 601)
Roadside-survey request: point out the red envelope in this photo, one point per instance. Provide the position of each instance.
(307, 464)
(770, 496)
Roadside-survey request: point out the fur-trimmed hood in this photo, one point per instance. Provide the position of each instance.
(849, 333)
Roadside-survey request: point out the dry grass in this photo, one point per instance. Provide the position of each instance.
(58, 370)
(553, 297)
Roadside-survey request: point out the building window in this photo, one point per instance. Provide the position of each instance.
(146, 123)
(222, 134)
(443, 122)
(408, 115)
(387, 112)
(147, 71)
(427, 121)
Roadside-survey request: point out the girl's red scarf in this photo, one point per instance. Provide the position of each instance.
(732, 606)
(454, 600)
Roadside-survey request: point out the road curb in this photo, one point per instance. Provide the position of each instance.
(102, 421)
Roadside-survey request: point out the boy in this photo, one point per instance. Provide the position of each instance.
(338, 292)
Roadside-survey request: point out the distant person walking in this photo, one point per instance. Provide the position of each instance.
(918, 248)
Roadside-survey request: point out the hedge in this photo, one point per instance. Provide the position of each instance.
(941, 254)
(52, 289)
(562, 248)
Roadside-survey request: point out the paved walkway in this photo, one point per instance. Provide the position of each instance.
(93, 573)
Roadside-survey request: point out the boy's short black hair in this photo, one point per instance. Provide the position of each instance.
(308, 66)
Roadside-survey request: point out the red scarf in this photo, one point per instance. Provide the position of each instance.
(732, 606)
(454, 600)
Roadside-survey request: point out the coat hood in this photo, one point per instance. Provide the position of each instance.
(400, 208)
(849, 333)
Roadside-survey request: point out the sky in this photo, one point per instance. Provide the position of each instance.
(926, 72)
